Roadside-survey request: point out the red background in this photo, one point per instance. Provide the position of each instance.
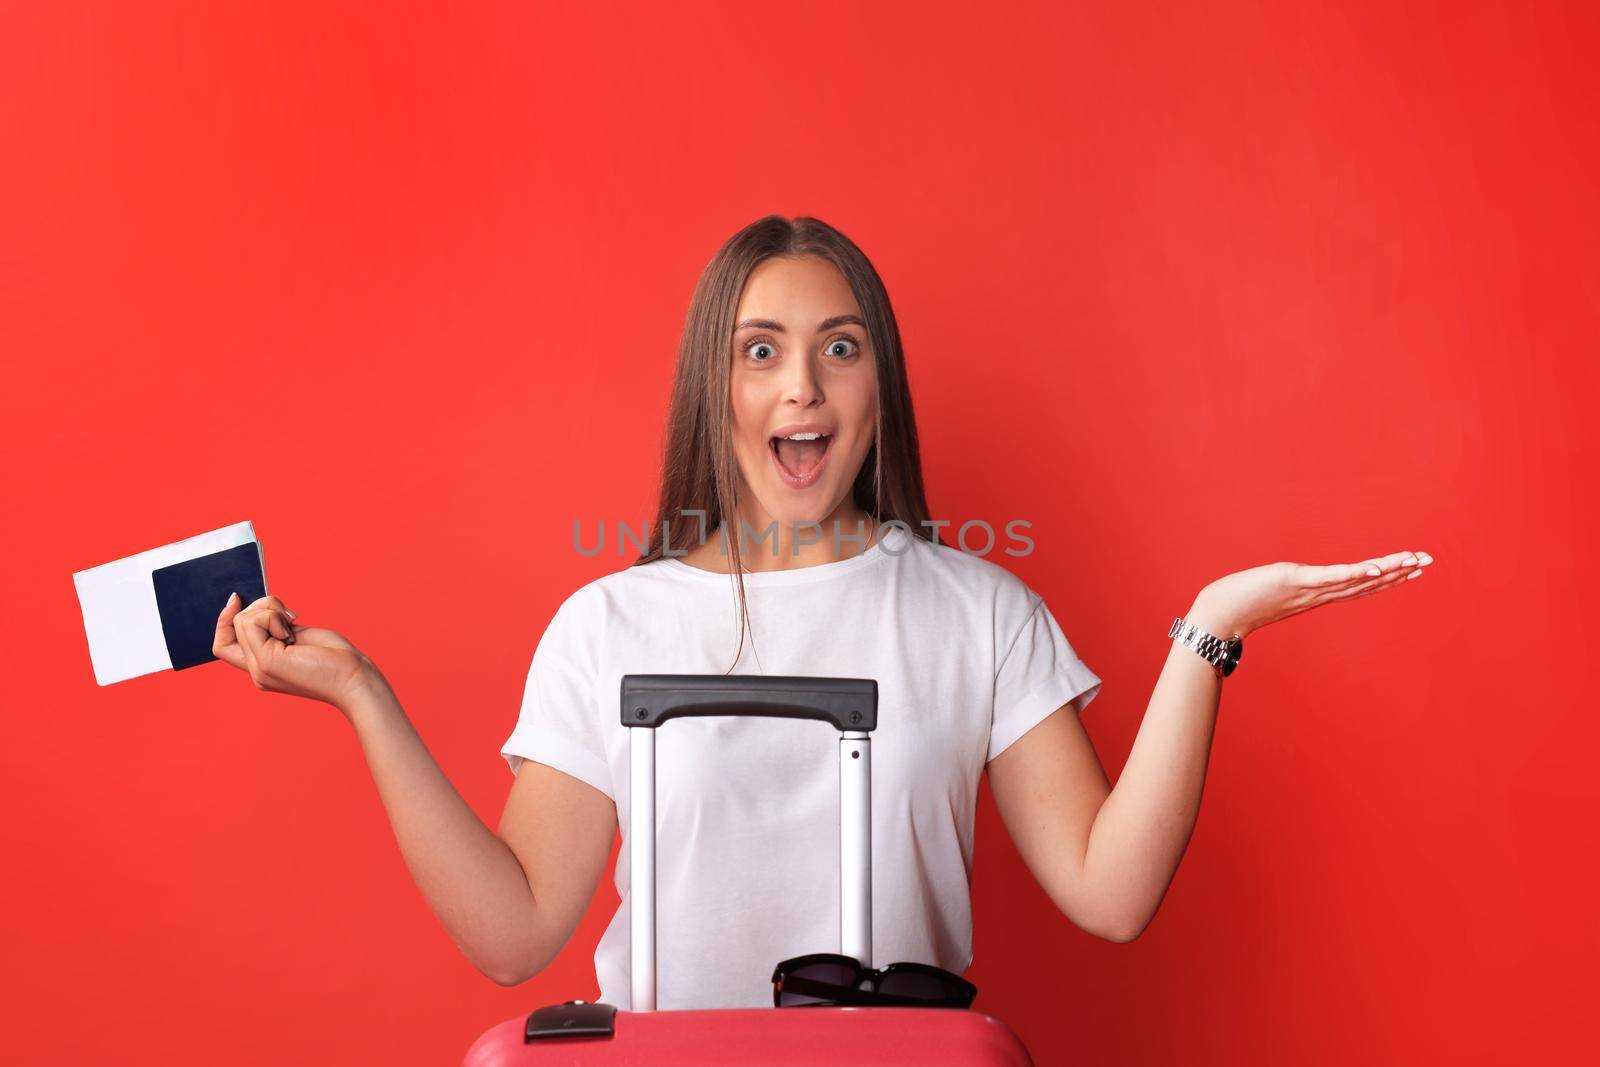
(1192, 288)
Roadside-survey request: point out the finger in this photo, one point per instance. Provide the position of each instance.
(1408, 565)
(1388, 582)
(1388, 564)
(1341, 577)
(1343, 573)
(279, 616)
(258, 639)
(1385, 564)
(245, 628)
(1368, 586)
(265, 626)
(278, 625)
(225, 643)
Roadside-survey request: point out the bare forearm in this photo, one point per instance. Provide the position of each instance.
(468, 874)
(1144, 826)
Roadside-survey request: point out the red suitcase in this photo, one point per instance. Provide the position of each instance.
(597, 1034)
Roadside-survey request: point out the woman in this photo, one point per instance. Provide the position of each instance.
(792, 512)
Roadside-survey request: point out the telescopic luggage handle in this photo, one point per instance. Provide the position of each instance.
(848, 704)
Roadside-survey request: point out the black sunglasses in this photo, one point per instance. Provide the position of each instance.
(827, 978)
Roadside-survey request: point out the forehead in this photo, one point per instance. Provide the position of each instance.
(797, 291)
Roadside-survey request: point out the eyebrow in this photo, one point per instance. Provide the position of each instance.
(777, 327)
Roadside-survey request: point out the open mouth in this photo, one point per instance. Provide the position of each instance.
(800, 463)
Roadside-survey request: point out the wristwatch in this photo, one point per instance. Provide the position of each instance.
(1222, 655)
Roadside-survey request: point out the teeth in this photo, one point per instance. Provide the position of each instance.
(803, 437)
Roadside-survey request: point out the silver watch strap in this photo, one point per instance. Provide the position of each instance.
(1214, 650)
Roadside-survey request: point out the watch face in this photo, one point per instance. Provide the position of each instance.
(1235, 651)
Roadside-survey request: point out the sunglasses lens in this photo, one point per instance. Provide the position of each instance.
(921, 986)
(834, 974)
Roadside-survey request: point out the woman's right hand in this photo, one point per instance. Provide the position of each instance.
(282, 657)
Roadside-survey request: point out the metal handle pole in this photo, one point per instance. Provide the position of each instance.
(855, 846)
(642, 877)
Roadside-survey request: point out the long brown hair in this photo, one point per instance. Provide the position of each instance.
(699, 471)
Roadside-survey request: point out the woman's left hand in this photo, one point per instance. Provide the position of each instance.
(1246, 601)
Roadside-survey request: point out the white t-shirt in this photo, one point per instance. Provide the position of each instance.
(967, 659)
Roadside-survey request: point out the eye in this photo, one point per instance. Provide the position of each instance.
(751, 348)
(851, 347)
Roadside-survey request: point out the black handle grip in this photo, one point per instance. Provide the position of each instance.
(847, 703)
(575, 1018)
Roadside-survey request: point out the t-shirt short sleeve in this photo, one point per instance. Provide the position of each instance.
(1039, 672)
(559, 723)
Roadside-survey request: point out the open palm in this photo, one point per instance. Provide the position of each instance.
(1251, 599)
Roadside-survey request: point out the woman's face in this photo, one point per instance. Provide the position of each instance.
(801, 360)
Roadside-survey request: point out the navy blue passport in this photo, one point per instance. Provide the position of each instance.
(190, 595)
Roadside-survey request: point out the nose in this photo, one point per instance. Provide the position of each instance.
(800, 384)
